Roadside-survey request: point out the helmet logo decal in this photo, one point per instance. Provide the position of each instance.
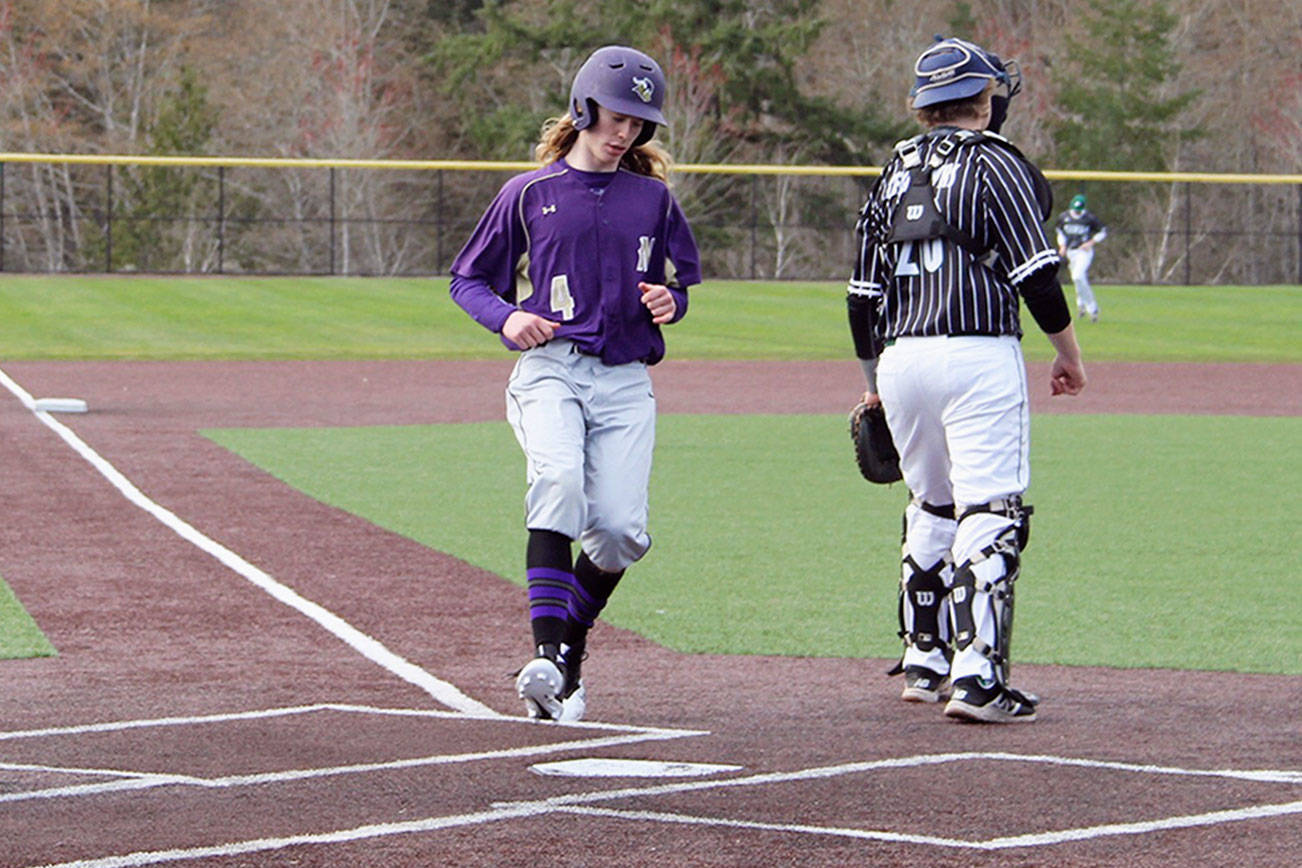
(644, 88)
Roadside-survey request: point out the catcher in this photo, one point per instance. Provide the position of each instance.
(952, 244)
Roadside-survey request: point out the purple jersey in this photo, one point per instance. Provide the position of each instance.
(586, 239)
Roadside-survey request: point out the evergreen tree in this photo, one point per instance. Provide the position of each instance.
(1118, 107)
(734, 96)
(160, 202)
(749, 52)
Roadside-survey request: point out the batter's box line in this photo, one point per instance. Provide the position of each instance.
(581, 804)
(1035, 839)
(1256, 775)
(285, 711)
(134, 780)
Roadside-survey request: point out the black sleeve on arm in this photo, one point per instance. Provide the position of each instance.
(863, 312)
(1044, 299)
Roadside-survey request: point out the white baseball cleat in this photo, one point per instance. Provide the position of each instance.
(574, 706)
(539, 684)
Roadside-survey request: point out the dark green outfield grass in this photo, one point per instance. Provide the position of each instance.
(111, 317)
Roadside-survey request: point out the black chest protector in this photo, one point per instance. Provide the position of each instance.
(916, 217)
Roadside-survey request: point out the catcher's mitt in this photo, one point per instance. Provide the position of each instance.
(874, 450)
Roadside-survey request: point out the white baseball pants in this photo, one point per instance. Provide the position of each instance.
(588, 432)
(958, 411)
(1078, 263)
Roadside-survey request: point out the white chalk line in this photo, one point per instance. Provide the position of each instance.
(142, 780)
(285, 711)
(130, 782)
(118, 726)
(1035, 839)
(135, 780)
(1256, 775)
(263, 845)
(122, 780)
(579, 803)
(367, 646)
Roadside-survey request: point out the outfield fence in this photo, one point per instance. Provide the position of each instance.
(233, 215)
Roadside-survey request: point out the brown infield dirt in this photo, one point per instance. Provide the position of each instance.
(150, 628)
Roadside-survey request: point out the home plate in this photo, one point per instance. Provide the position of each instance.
(628, 768)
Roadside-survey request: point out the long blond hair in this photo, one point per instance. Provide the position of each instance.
(559, 135)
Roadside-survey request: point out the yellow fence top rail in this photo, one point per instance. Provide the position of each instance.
(686, 168)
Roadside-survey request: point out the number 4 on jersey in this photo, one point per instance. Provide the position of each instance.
(562, 301)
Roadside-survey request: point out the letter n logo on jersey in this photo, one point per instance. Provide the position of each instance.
(644, 244)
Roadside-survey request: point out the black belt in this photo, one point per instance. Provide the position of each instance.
(940, 510)
(890, 342)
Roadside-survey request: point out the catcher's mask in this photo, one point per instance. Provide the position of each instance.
(954, 69)
(624, 80)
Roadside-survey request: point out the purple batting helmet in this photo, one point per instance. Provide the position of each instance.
(624, 80)
(954, 68)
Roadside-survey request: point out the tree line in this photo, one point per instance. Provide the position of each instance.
(1125, 85)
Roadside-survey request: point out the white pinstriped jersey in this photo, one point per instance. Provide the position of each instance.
(936, 287)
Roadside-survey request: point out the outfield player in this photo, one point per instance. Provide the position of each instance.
(1078, 231)
(951, 236)
(590, 233)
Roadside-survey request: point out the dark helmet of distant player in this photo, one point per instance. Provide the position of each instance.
(625, 81)
(954, 68)
(1078, 202)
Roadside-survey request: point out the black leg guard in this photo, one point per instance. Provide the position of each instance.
(923, 602)
(922, 598)
(923, 609)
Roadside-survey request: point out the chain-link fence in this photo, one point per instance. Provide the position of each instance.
(355, 217)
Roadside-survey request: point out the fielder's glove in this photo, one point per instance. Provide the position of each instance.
(874, 450)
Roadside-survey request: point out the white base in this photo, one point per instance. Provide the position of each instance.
(59, 405)
(628, 768)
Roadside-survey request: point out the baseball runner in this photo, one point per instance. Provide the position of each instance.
(1078, 231)
(951, 235)
(593, 232)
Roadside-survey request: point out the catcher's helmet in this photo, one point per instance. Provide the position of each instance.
(954, 68)
(1078, 202)
(624, 80)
